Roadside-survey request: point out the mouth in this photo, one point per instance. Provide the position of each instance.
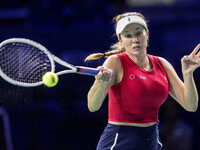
(136, 47)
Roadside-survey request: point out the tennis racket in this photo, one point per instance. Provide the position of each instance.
(23, 62)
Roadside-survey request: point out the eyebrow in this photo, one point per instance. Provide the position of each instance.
(135, 29)
(138, 28)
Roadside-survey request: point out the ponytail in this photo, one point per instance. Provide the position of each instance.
(115, 49)
(94, 56)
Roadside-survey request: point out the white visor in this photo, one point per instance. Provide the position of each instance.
(123, 22)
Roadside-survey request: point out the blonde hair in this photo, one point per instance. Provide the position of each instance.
(116, 47)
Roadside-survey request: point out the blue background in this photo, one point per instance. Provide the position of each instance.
(57, 118)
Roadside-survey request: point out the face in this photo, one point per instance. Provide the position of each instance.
(134, 38)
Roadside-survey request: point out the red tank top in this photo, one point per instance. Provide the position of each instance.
(139, 95)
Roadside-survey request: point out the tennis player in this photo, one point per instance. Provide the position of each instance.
(138, 84)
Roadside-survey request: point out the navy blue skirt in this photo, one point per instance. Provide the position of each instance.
(118, 137)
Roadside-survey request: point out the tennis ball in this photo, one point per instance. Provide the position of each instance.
(50, 79)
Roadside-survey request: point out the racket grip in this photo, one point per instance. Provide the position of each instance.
(88, 71)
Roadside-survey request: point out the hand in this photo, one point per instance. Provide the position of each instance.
(104, 75)
(191, 62)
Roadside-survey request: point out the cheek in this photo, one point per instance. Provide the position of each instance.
(128, 43)
(145, 39)
(125, 42)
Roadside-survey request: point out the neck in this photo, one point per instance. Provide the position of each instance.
(141, 60)
(138, 58)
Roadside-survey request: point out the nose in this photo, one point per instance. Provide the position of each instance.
(135, 39)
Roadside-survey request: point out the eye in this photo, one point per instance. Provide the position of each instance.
(138, 33)
(128, 35)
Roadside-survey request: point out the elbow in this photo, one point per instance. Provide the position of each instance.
(93, 108)
(191, 105)
(94, 104)
(192, 109)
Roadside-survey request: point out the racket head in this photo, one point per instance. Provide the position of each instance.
(23, 62)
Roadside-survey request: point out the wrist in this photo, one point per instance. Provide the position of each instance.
(187, 76)
(187, 73)
(100, 82)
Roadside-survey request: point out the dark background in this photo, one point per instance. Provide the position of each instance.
(57, 118)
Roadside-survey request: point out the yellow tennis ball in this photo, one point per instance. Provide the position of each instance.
(50, 79)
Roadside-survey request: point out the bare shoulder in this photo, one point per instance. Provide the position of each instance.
(165, 63)
(163, 60)
(112, 61)
(168, 67)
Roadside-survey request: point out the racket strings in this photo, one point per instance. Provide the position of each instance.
(23, 62)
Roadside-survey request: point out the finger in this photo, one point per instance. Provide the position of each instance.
(107, 75)
(110, 72)
(195, 51)
(102, 74)
(100, 67)
(198, 54)
(186, 57)
(99, 75)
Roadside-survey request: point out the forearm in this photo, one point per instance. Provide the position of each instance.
(190, 92)
(103, 81)
(96, 95)
(189, 64)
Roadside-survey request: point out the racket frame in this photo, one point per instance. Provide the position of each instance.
(35, 44)
(52, 58)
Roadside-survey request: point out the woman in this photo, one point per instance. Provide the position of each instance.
(138, 84)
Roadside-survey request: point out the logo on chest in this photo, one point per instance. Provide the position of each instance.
(132, 77)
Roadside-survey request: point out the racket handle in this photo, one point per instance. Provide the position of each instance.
(87, 71)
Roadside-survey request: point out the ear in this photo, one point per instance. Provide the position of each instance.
(120, 41)
(148, 33)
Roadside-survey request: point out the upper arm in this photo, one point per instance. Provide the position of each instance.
(113, 63)
(176, 86)
(99, 90)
